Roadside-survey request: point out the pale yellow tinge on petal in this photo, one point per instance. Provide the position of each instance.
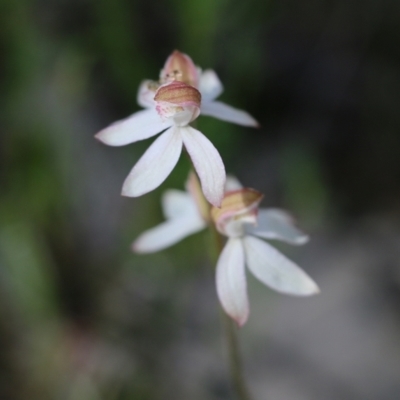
(194, 188)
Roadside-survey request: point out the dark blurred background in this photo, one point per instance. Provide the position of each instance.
(81, 317)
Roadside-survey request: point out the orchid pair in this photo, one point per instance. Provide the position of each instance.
(182, 93)
(172, 103)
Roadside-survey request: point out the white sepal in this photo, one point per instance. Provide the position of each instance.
(231, 281)
(210, 86)
(177, 203)
(275, 270)
(167, 234)
(155, 165)
(140, 125)
(227, 113)
(207, 162)
(273, 223)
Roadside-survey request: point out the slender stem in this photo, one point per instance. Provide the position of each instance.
(235, 362)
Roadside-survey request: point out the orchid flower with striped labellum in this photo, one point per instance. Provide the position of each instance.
(240, 220)
(182, 93)
(180, 67)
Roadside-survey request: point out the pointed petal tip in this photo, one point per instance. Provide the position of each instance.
(255, 123)
(105, 137)
(213, 198)
(241, 321)
(216, 203)
(125, 192)
(252, 122)
(311, 290)
(135, 248)
(128, 191)
(316, 290)
(138, 247)
(302, 240)
(99, 136)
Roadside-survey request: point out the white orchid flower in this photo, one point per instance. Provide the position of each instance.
(180, 67)
(243, 223)
(170, 106)
(177, 104)
(240, 220)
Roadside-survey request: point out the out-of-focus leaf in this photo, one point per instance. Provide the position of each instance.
(28, 271)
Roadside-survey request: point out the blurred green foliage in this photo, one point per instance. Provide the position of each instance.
(69, 68)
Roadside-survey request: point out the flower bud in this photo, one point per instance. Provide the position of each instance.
(180, 67)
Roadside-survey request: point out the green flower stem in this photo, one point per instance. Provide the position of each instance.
(235, 362)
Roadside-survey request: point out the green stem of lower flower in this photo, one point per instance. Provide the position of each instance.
(235, 361)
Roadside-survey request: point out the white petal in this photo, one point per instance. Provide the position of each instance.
(232, 184)
(210, 86)
(273, 223)
(146, 93)
(231, 281)
(138, 126)
(167, 234)
(275, 270)
(207, 162)
(176, 203)
(155, 164)
(227, 113)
